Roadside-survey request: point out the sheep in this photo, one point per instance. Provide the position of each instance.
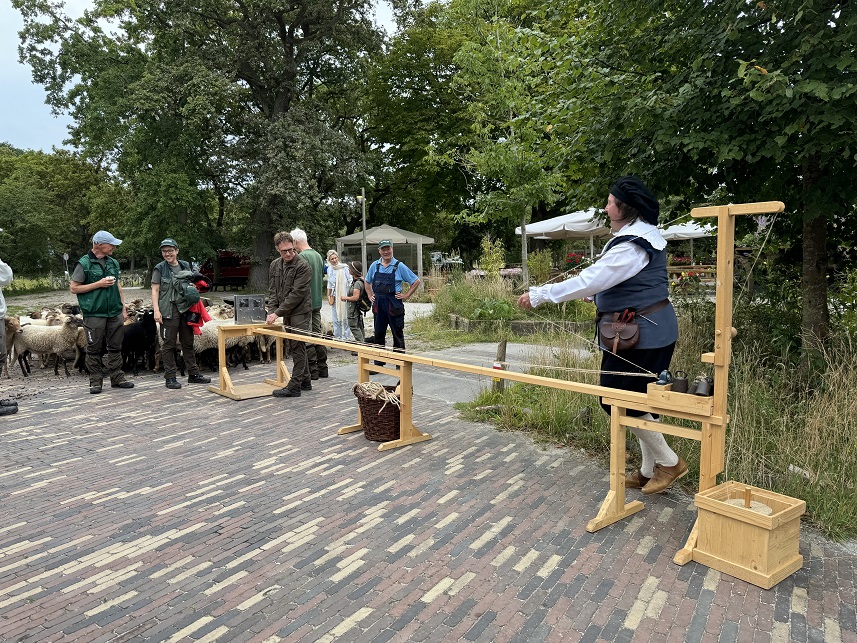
(140, 339)
(13, 326)
(54, 340)
(205, 346)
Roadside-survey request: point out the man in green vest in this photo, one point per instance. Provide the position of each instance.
(316, 355)
(95, 281)
(170, 312)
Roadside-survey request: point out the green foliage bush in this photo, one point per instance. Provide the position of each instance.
(493, 256)
(539, 265)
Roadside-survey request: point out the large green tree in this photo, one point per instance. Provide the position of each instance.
(722, 101)
(198, 103)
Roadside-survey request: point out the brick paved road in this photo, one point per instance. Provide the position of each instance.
(154, 515)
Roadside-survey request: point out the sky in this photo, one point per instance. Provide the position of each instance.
(25, 121)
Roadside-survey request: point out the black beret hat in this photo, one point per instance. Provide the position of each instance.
(633, 192)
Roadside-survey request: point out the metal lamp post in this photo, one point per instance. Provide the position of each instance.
(362, 199)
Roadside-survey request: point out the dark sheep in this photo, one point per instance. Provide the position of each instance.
(141, 338)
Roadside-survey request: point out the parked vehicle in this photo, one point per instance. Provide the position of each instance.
(445, 261)
(234, 269)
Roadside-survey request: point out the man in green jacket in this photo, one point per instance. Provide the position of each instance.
(95, 281)
(316, 354)
(171, 316)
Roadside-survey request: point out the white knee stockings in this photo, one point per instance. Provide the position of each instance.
(654, 448)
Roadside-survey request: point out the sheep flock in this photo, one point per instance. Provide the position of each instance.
(55, 335)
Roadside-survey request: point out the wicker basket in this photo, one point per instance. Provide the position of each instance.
(378, 425)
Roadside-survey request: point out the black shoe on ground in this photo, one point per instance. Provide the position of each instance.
(123, 384)
(287, 392)
(9, 402)
(8, 410)
(313, 376)
(172, 383)
(198, 379)
(323, 373)
(95, 388)
(306, 386)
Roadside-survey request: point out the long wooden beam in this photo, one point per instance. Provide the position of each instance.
(629, 399)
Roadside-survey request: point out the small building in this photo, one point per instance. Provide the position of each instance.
(407, 246)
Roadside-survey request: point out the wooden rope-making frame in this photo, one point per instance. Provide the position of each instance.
(709, 412)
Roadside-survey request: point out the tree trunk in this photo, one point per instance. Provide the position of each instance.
(815, 320)
(525, 272)
(815, 316)
(263, 241)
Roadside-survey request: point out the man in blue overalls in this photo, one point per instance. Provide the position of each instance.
(384, 287)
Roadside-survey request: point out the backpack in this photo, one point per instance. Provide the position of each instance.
(364, 304)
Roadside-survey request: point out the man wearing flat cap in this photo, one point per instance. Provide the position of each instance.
(170, 311)
(95, 281)
(384, 287)
(630, 285)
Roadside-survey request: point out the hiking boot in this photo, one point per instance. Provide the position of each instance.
(322, 373)
(8, 410)
(306, 386)
(95, 387)
(313, 376)
(287, 392)
(123, 384)
(172, 382)
(199, 378)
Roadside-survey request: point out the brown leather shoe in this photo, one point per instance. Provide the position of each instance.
(665, 476)
(636, 480)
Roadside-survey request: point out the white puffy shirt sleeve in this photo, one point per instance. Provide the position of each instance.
(616, 265)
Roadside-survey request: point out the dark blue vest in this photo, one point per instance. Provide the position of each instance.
(647, 287)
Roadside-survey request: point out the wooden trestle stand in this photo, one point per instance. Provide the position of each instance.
(710, 412)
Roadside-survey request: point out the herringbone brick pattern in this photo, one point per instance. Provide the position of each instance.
(156, 515)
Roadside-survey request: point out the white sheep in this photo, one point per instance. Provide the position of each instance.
(53, 340)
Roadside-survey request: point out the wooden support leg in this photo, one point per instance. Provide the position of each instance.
(283, 376)
(711, 463)
(408, 433)
(362, 376)
(614, 507)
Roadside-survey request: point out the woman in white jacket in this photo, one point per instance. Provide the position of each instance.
(338, 282)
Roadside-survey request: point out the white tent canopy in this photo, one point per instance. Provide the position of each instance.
(573, 225)
(690, 230)
(396, 235)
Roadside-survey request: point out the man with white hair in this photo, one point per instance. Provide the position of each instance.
(316, 355)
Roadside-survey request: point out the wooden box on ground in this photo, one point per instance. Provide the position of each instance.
(760, 549)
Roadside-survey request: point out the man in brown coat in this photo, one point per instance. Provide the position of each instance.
(289, 297)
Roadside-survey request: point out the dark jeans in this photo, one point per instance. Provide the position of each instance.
(316, 355)
(172, 329)
(383, 319)
(101, 331)
(648, 359)
(297, 350)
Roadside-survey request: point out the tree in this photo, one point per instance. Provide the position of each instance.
(189, 100)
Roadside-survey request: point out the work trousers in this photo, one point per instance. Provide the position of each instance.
(101, 333)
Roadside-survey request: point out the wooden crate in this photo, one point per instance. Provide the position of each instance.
(663, 397)
(759, 549)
